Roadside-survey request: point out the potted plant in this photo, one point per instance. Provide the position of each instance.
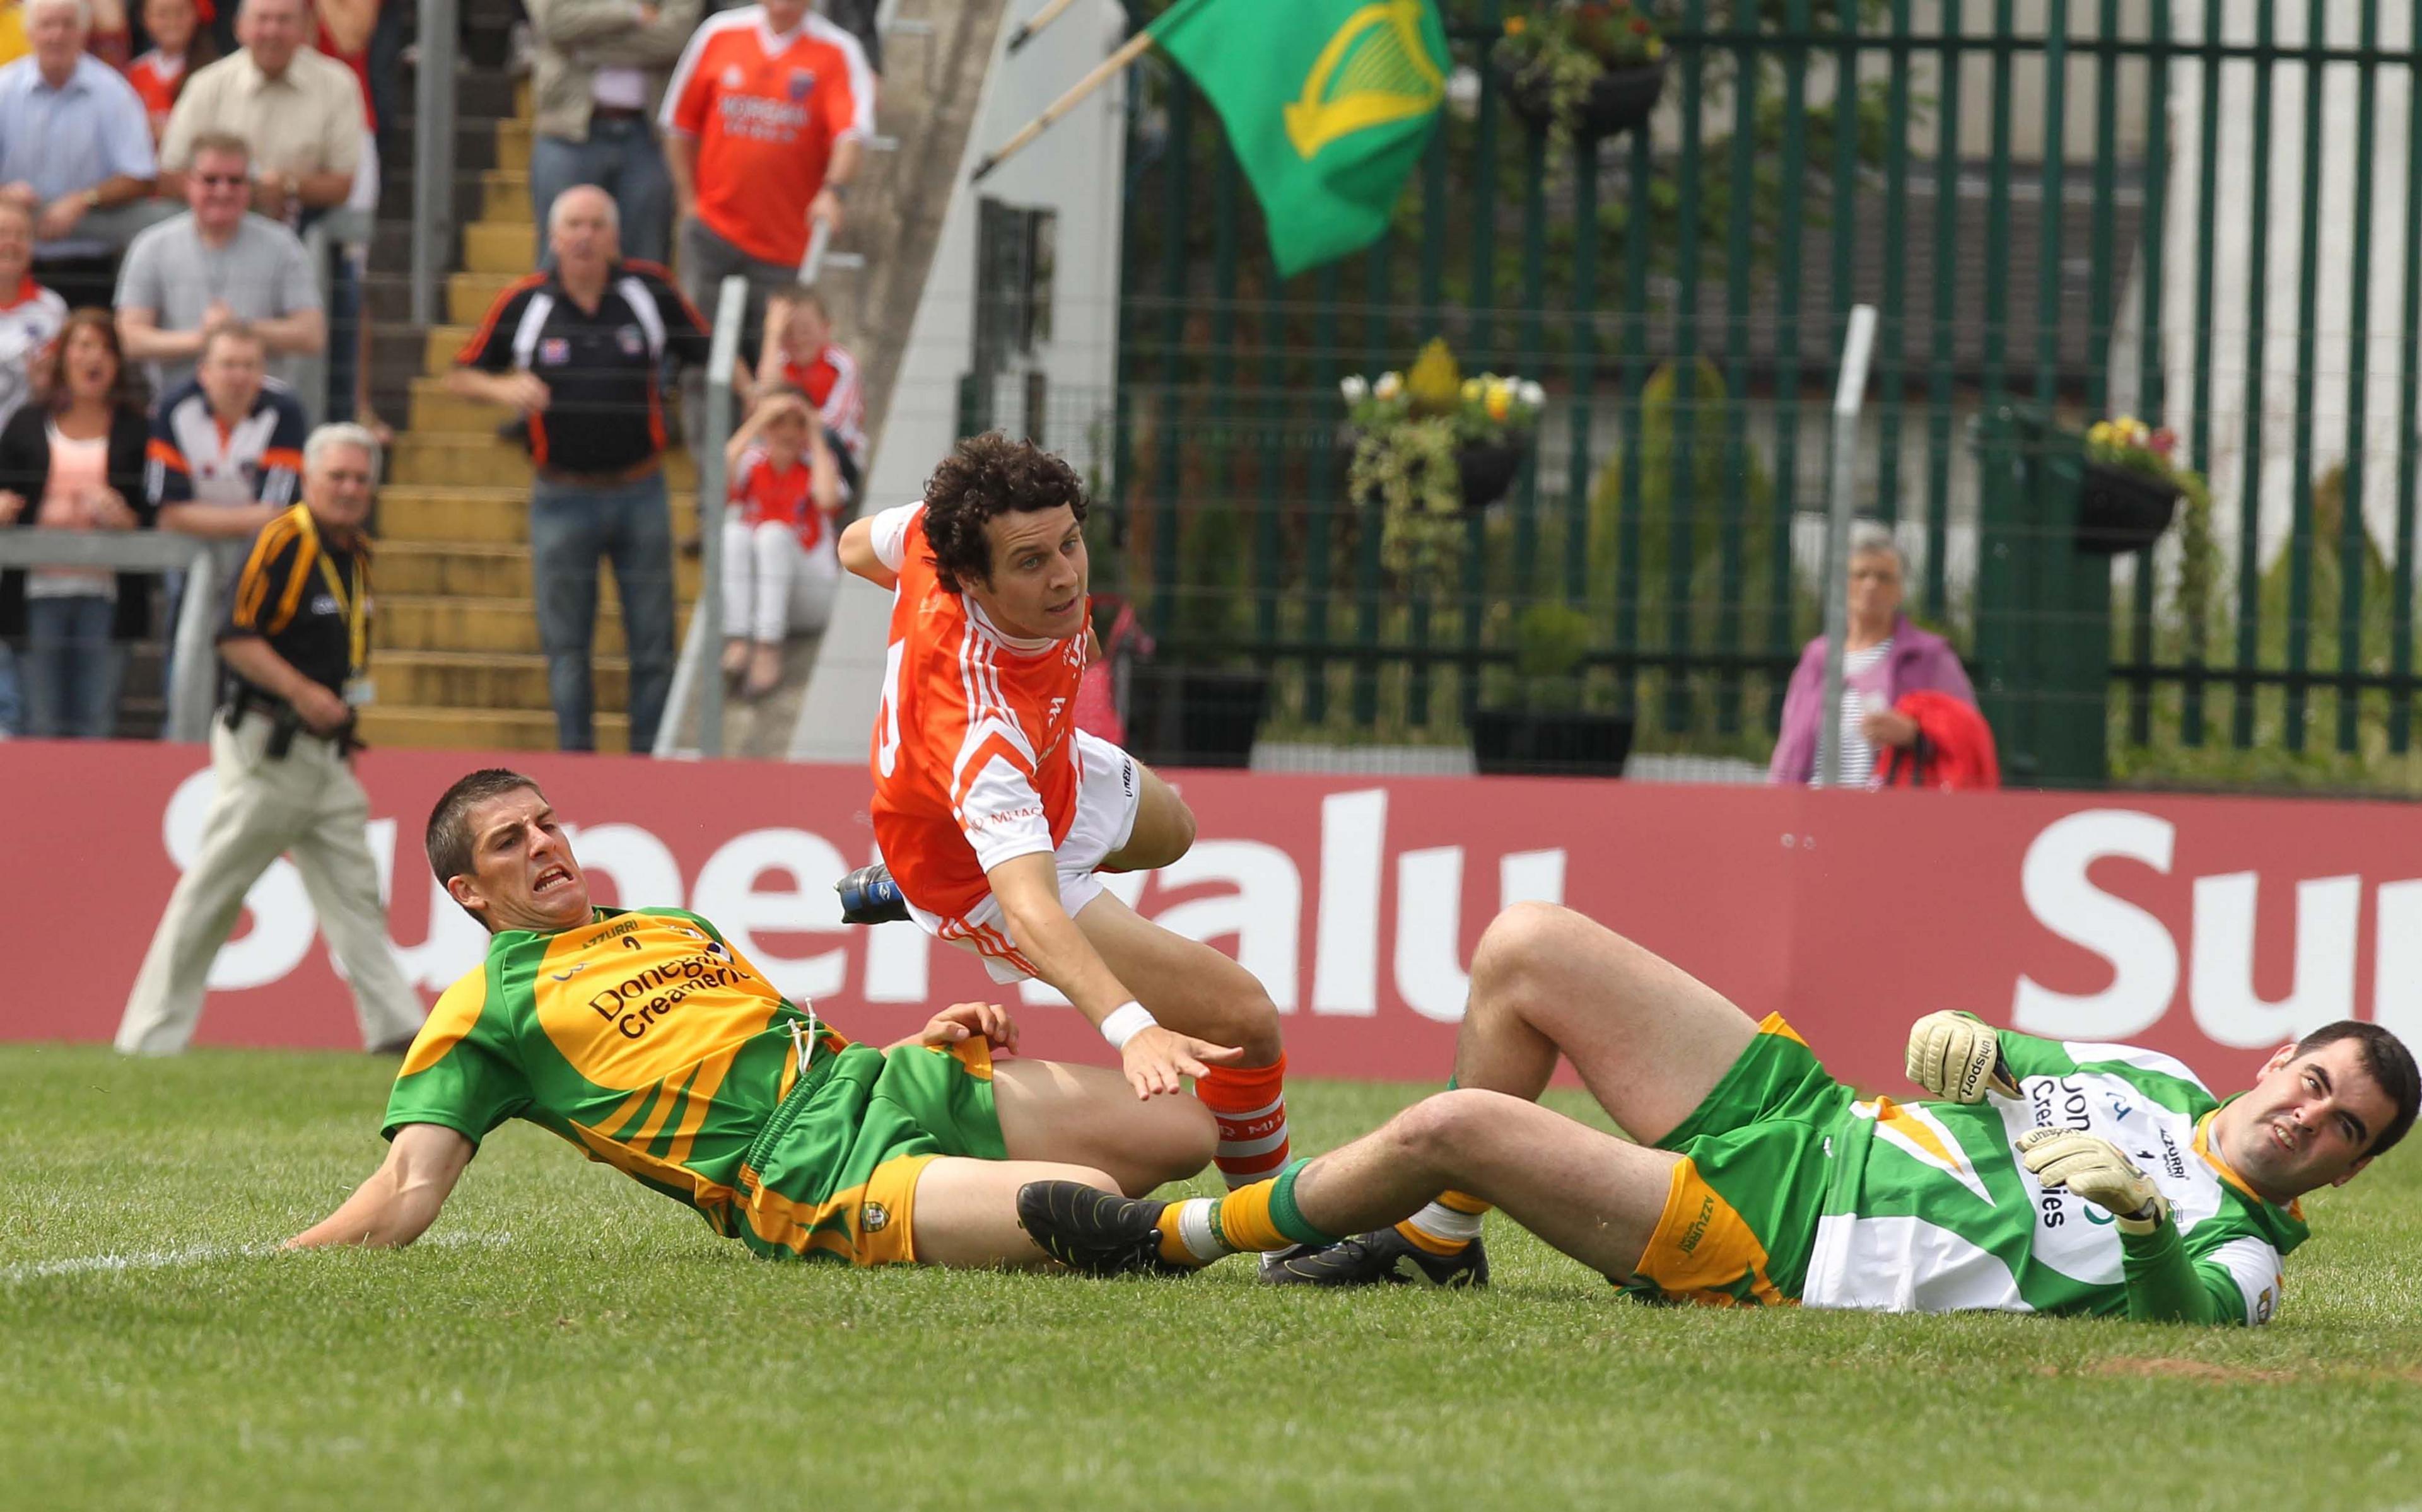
(1582, 69)
(2130, 486)
(1203, 711)
(1428, 446)
(1546, 732)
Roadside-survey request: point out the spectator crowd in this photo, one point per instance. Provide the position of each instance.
(162, 164)
(726, 140)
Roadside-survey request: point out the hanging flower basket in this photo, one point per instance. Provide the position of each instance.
(1581, 68)
(2129, 489)
(1486, 469)
(1618, 101)
(1424, 449)
(2120, 509)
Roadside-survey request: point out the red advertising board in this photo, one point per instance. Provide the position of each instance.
(2211, 928)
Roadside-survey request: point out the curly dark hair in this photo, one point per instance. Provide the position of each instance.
(983, 476)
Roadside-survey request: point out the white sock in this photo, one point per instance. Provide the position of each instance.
(1443, 1223)
(1198, 1232)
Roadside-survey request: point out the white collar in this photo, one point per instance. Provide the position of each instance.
(1028, 645)
(774, 41)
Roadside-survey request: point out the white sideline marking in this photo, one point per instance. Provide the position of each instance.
(84, 1265)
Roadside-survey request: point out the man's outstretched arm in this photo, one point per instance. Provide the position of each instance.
(2164, 1285)
(1153, 1057)
(401, 1198)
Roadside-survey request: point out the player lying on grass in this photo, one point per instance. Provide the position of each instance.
(995, 814)
(2047, 1176)
(644, 1039)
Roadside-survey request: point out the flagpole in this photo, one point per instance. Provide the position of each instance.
(1026, 30)
(1134, 48)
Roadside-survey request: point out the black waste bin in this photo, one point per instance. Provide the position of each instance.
(2044, 597)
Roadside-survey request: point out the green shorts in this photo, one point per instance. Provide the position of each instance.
(834, 1173)
(1740, 1216)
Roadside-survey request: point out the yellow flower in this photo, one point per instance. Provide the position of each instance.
(1514, 26)
(1500, 402)
(2101, 432)
(1655, 47)
(1470, 389)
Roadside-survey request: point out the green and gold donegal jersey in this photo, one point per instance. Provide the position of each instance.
(642, 1038)
(1928, 1209)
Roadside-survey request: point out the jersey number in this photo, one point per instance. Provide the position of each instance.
(887, 726)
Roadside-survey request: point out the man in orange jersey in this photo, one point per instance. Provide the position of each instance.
(646, 1040)
(764, 123)
(995, 814)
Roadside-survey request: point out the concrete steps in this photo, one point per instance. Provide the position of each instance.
(514, 145)
(481, 460)
(499, 626)
(500, 247)
(441, 343)
(487, 679)
(473, 571)
(481, 729)
(504, 198)
(495, 517)
(469, 295)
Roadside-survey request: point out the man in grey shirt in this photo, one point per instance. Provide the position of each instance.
(215, 265)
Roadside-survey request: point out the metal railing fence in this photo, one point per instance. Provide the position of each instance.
(2209, 219)
(193, 685)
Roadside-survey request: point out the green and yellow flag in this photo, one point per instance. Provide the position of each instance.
(1328, 108)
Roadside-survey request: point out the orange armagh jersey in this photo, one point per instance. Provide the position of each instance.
(975, 752)
(766, 110)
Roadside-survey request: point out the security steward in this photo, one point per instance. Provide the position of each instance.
(294, 647)
(581, 352)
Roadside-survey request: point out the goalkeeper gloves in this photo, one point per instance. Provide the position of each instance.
(1954, 1056)
(2097, 1170)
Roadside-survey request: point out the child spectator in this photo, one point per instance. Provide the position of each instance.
(178, 46)
(800, 350)
(780, 565)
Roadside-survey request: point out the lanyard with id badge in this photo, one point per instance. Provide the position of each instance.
(353, 602)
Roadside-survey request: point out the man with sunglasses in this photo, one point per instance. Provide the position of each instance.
(216, 265)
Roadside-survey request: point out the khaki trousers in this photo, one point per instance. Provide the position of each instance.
(308, 804)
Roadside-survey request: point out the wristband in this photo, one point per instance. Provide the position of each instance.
(1126, 1021)
(2145, 1220)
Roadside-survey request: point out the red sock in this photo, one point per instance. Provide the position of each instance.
(1249, 1105)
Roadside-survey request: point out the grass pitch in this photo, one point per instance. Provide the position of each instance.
(565, 1338)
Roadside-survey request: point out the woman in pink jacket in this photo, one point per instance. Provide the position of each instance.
(1883, 657)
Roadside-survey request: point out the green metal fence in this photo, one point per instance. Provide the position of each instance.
(2002, 195)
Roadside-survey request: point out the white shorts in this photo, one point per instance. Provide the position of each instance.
(1107, 799)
